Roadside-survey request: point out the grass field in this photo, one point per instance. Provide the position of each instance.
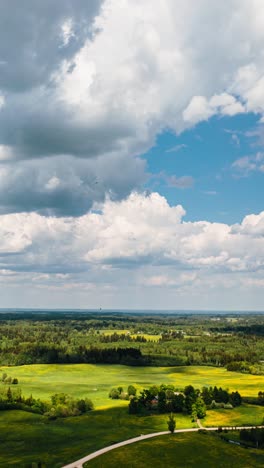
(148, 337)
(178, 450)
(108, 331)
(245, 414)
(95, 381)
(27, 438)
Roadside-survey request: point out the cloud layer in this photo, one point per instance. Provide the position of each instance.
(85, 89)
(101, 79)
(142, 235)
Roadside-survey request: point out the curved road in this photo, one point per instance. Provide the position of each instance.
(79, 463)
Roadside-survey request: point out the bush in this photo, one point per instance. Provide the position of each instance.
(171, 423)
(114, 394)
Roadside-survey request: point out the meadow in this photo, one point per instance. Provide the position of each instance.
(245, 414)
(95, 381)
(147, 336)
(178, 450)
(28, 438)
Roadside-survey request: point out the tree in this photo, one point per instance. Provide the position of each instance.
(171, 423)
(131, 390)
(114, 394)
(194, 413)
(81, 405)
(9, 395)
(200, 408)
(162, 402)
(190, 398)
(133, 407)
(235, 399)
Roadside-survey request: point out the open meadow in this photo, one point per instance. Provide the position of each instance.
(95, 381)
(178, 450)
(28, 438)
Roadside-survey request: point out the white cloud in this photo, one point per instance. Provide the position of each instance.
(129, 245)
(125, 75)
(182, 182)
(6, 153)
(67, 31)
(138, 231)
(2, 100)
(248, 164)
(176, 148)
(146, 69)
(201, 108)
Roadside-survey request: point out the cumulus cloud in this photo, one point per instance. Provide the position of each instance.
(140, 230)
(101, 79)
(201, 108)
(36, 36)
(138, 248)
(67, 186)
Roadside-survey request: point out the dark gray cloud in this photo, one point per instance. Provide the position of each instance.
(67, 186)
(41, 132)
(31, 39)
(37, 125)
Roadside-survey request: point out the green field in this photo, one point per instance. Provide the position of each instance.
(109, 332)
(27, 438)
(245, 414)
(178, 450)
(95, 381)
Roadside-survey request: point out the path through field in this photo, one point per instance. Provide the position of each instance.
(79, 463)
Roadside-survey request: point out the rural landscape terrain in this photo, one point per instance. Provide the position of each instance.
(131, 234)
(72, 383)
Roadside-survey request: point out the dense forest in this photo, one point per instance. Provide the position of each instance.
(231, 341)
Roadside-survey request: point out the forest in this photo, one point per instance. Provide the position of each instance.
(231, 341)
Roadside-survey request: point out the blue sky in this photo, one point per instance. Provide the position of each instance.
(206, 153)
(132, 154)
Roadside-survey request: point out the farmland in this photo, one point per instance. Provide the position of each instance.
(95, 381)
(85, 357)
(189, 450)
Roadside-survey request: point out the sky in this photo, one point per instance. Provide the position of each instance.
(132, 154)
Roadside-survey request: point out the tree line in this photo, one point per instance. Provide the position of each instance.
(167, 399)
(184, 340)
(60, 405)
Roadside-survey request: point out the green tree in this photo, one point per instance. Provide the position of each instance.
(9, 395)
(194, 413)
(114, 394)
(171, 423)
(162, 402)
(200, 408)
(235, 399)
(131, 390)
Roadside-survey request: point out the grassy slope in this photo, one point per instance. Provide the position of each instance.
(27, 438)
(245, 414)
(95, 381)
(188, 450)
